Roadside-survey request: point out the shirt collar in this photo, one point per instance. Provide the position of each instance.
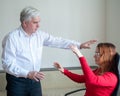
(23, 33)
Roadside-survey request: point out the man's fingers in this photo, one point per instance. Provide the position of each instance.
(92, 41)
(38, 76)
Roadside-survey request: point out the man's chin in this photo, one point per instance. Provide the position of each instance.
(34, 31)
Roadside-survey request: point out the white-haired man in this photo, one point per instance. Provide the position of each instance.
(22, 51)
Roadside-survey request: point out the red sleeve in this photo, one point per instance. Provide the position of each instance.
(90, 77)
(74, 77)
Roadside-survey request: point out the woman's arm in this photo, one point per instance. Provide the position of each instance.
(90, 77)
(73, 76)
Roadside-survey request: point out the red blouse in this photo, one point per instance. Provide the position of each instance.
(96, 85)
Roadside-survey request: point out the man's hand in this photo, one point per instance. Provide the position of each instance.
(86, 45)
(35, 75)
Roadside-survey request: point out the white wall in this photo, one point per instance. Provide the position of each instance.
(113, 22)
(80, 20)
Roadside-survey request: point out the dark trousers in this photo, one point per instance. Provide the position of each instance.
(22, 86)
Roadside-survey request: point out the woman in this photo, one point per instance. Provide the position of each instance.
(101, 81)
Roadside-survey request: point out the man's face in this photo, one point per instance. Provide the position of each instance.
(32, 25)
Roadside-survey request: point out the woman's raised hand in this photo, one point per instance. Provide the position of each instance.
(76, 50)
(58, 66)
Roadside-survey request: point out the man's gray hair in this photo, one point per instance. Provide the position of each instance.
(28, 13)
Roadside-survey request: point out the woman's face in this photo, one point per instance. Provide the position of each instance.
(97, 57)
(104, 53)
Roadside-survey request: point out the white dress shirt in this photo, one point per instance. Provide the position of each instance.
(22, 53)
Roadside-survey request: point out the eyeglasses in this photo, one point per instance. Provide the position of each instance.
(97, 54)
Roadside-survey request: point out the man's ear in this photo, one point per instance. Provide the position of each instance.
(24, 23)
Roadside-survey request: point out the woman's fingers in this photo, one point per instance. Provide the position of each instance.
(56, 65)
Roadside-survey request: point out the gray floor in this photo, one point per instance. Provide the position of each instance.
(61, 92)
(54, 92)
